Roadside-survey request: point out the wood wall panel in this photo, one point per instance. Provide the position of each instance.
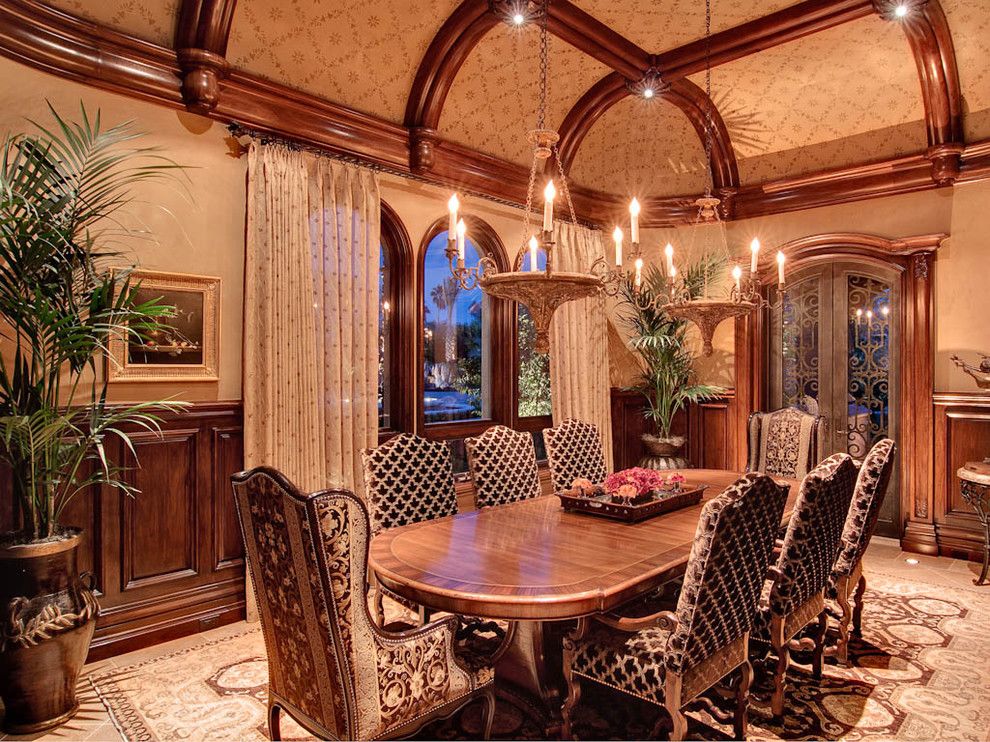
(227, 457)
(158, 526)
(962, 433)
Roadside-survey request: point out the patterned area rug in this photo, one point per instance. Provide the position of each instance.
(921, 671)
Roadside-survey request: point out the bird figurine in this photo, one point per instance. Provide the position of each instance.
(980, 373)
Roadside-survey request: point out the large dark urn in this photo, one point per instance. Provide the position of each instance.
(47, 617)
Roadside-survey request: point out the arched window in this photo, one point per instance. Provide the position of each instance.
(467, 340)
(396, 344)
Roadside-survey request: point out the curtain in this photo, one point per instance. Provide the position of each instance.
(579, 374)
(310, 317)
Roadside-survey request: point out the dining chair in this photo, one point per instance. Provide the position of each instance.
(407, 479)
(574, 450)
(330, 667)
(671, 658)
(785, 443)
(793, 596)
(503, 466)
(847, 579)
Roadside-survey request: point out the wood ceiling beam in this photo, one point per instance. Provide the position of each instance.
(686, 96)
(928, 34)
(201, 49)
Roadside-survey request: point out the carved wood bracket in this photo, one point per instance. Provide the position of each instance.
(201, 43)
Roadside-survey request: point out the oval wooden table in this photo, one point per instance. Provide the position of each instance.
(537, 565)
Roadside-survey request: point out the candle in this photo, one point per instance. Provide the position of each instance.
(859, 315)
(533, 246)
(617, 236)
(737, 276)
(869, 316)
(754, 246)
(673, 274)
(452, 206)
(634, 222)
(639, 272)
(549, 193)
(780, 267)
(669, 252)
(461, 231)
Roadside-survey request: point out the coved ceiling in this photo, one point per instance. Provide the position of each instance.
(843, 96)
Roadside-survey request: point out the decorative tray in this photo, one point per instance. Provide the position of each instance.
(631, 512)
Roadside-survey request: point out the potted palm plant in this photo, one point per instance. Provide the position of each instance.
(667, 379)
(62, 192)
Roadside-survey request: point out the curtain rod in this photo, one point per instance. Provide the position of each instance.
(239, 130)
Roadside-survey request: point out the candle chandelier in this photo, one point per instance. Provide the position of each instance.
(541, 291)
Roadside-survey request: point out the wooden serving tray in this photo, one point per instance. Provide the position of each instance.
(603, 507)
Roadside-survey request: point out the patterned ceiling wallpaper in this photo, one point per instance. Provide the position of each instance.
(641, 148)
(969, 21)
(361, 54)
(492, 103)
(813, 90)
(150, 20)
(665, 24)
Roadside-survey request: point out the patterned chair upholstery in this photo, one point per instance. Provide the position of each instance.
(503, 466)
(794, 595)
(408, 479)
(330, 666)
(671, 658)
(574, 449)
(785, 443)
(847, 580)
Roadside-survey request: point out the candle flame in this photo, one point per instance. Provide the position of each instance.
(617, 235)
(634, 207)
(550, 192)
(461, 228)
(453, 204)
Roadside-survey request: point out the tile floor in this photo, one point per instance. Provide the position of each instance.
(93, 723)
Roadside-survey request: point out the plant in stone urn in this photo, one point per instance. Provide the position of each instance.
(63, 191)
(667, 378)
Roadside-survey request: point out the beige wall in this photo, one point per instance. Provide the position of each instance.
(198, 226)
(200, 229)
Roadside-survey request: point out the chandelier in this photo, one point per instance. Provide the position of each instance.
(540, 291)
(680, 300)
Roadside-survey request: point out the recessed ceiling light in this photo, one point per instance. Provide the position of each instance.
(519, 19)
(901, 10)
(648, 93)
(911, 560)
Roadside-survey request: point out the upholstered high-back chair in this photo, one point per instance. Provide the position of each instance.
(796, 595)
(671, 658)
(847, 574)
(330, 667)
(574, 450)
(408, 479)
(503, 466)
(785, 443)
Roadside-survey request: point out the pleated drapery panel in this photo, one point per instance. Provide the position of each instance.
(579, 374)
(310, 318)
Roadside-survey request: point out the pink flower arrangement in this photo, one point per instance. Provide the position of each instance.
(584, 487)
(638, 480)
(676, 481)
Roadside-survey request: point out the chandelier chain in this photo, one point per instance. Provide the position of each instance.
(544, 66)
(709, 126)
(563, 184)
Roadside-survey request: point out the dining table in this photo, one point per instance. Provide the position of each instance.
(539, 566)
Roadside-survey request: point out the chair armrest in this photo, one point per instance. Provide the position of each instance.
(773, 573)
(448, 624)
(662, 619)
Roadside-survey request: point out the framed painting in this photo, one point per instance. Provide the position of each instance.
(187, 347)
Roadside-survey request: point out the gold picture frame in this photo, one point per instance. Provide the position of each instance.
(189, 350)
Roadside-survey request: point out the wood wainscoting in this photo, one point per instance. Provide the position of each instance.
(708, 427)
(962, 433)
(169, 561)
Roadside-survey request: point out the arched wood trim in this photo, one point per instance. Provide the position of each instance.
(503, 328)
(402, 330)
(914, 259)
(928, 33)
(201, 48)
(688, 97)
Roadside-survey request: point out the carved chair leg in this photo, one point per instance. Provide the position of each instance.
(818, 655)
(740, 719)
(858, 609)
(780, 647)
(842, 598)
(274, 723)
(679, 724)
(488, 713)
